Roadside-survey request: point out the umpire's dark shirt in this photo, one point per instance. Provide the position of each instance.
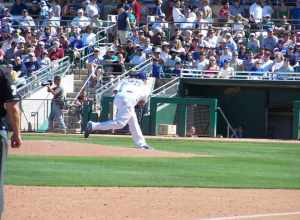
(6, 94)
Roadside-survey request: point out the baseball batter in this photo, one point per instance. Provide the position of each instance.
(129, 93)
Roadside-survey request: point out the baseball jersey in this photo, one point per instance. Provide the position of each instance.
(134, 90)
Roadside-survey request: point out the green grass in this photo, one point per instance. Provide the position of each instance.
(235, 165)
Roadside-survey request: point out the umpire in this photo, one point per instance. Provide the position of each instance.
(9, 106)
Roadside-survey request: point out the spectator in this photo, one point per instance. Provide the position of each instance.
(88, 38)
(173, 59)
(249, 63)
(55, 8)
(178, 16)
(80, 20)
(226, 71)
(224, 12)
(267, 9)
(207, 11)
(178, 69)
(257, 70)
(30, 66)
(267, 63)
(17, 37)
(236, 63)
(256, 12)
(139, 56)
(44, 12)
(147, 47)
(26, 20)
(278, 61)
(11, 52)
(137, 10)
(202, 62)
(123, 25)
(236, 8)
(157, 10)
(227, 55)
(229, 42)
(270, 42)
(17, 8)
(286, 67)
(17, 65)
(56, 52)
(43, 60)
(92, 9)
(253, 43)
(295, 15)
(212, 67)
(157, 69)
(164, 54)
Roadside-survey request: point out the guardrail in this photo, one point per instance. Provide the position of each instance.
(243, 75)
(167, 90)
(33, 83)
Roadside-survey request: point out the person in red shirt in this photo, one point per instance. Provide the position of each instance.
(224, 13)
(137, 9)
(56, 52)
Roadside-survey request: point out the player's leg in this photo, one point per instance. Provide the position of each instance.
(122, 117)
(136, 132)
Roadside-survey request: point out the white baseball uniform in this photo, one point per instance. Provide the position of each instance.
(129, 92)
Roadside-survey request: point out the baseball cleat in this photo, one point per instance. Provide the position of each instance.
(147, 147)
(88, 129)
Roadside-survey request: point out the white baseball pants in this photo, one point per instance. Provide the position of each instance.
(125, 115)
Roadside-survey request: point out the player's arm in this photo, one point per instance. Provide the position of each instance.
(13, 113)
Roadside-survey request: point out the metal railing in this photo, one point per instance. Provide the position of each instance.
(242, 75)
(168, 89)
(229, 127)
(33, 83)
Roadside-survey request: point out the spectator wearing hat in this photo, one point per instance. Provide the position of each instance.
(257, 70)
(157, 9)
(123, 24)
(44, 10)
(43, 60)
(207, 11)
(268, 23)
(30, 66)
(164, 54)
(139, 56)
(226, 55)
(270, 41)
(229, 42)
(157, 69)
(56, 52)
(147, 46)
(173, 59)
(80, 20)
(94, 60)
(39, 49)
(226, 71)
(253, 43)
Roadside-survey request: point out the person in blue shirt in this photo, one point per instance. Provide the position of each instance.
(295, 15)
(157, 69)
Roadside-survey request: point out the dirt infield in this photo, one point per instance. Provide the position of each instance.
(63, 148)
(46, 203)
(89, 203)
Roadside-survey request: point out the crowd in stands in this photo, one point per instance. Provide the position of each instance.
(256, 36)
